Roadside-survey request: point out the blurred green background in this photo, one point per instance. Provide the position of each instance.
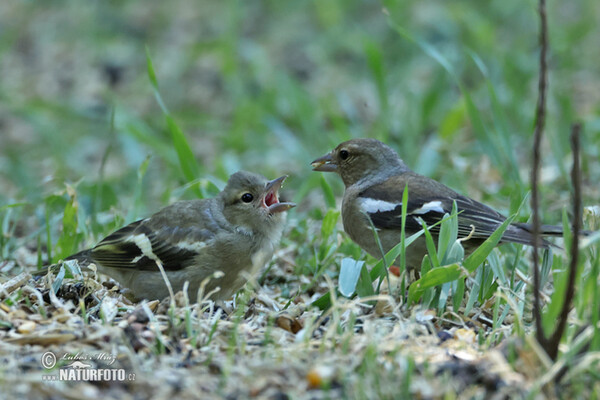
(268, 86)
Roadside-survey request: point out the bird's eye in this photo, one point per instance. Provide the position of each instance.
(344, 154)
(247, 197)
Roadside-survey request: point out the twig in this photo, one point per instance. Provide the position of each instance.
(540, 117)
(554, 340)
(13, 284)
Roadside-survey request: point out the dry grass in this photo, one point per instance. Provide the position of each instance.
(262, 347)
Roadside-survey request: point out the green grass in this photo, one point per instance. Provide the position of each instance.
(111, 110)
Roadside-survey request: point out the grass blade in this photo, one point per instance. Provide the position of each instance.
(189, 166)
(349, 274)
(480, 254)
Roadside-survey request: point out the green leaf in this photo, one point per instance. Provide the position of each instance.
(456, 253)
(143, 134)
(151, 73)
(327, 192)
(554, 306)
(329, 222)
(491, 289)
(395, 251)
(187, 161)
(429, 294)
(431, 250)
(500, 320)
(403, 229)
(69, 239)
(448, 233)
(474, 292)
(57, 283)
(444, 291)
(546, 266)
(426, 265)
(189, 166)
(391, 255)
(323, 302)
(498, 269)
(349, 274)
(434, 277)
(365, 284)
(385, 270)
(439, 276)
(459, 293)
(480, 254)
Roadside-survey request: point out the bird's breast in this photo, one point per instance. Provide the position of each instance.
(261, 257)
(356, 223)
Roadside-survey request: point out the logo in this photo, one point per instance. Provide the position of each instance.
(81, 367)
(48, 360)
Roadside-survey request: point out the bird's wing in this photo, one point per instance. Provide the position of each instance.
(139, 243)
(429, 201)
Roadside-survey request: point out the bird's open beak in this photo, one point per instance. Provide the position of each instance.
(325, 164)
(270, 199)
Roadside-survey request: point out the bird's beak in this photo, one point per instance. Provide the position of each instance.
(270, 199)
(325, 164)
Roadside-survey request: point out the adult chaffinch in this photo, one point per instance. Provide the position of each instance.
(375, 178)
(235, 233)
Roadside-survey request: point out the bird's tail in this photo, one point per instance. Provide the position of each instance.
(549, 230)
(83, 258)
(545, 230)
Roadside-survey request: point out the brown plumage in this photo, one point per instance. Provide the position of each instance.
(375, 178)
(234, 233)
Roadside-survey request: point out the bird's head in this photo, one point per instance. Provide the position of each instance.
(251, 202)
(358, 159)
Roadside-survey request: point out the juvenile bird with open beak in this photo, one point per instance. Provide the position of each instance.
(375, 178)
(235, 233)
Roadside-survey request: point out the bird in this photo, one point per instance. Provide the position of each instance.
(235, 233)
(375, 176)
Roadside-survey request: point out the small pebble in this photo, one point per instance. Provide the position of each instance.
(26, 327)
(318, 376)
